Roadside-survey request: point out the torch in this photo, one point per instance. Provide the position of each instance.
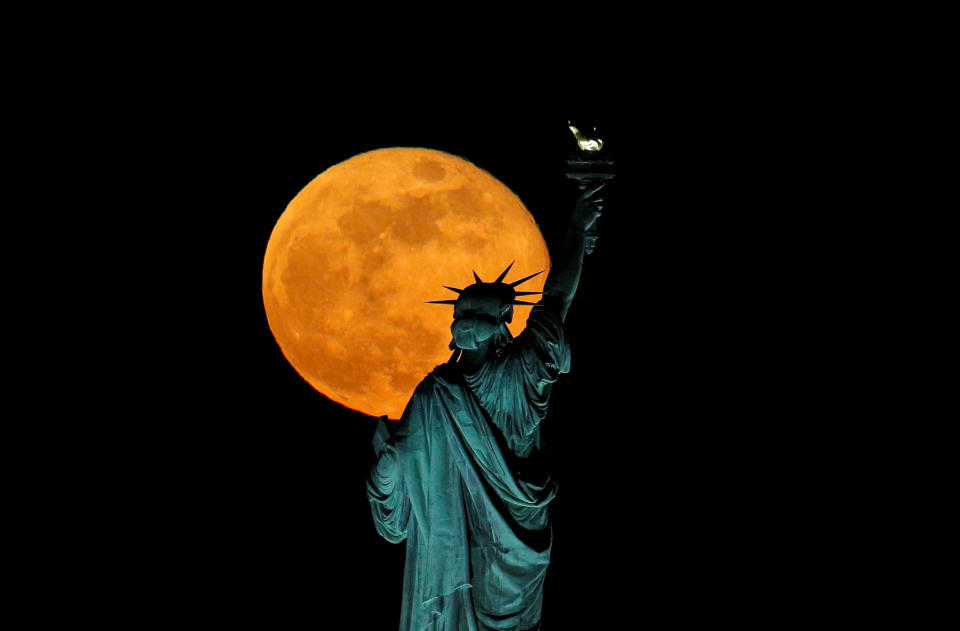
(590, 165)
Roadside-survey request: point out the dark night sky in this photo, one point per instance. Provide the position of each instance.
(672, 434)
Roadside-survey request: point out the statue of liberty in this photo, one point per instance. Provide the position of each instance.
(462, 477)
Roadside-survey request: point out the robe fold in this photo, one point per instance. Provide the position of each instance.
(463, 479)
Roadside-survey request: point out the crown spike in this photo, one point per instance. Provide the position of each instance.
(441, 302)
(525, 304)
(504, 274)
(523, 280)
(526, 293)
(477, 277)
(459, 291)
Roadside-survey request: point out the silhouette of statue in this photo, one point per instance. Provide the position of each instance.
(462, 476)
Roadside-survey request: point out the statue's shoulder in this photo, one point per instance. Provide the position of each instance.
(444, 374)
(434, 384)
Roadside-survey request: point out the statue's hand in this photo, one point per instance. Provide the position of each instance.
(587, 208)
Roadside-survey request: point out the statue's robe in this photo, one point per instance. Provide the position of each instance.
(463, 478)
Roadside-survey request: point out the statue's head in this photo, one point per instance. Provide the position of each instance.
(483, 310)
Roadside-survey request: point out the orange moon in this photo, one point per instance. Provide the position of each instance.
(357, 253)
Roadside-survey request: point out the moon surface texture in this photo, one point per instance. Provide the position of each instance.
(357, 253)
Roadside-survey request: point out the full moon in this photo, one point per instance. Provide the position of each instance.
(353, 259)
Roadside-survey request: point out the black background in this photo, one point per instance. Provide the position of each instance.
(680, 436)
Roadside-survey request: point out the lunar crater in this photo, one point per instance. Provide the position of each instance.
(430, 171)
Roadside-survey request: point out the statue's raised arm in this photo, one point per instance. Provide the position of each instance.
(564, 277)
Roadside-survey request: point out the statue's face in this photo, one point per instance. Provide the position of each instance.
(476, 319)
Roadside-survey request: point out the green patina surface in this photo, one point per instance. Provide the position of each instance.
(462, 479)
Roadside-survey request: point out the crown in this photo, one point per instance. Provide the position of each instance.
(505, 291)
